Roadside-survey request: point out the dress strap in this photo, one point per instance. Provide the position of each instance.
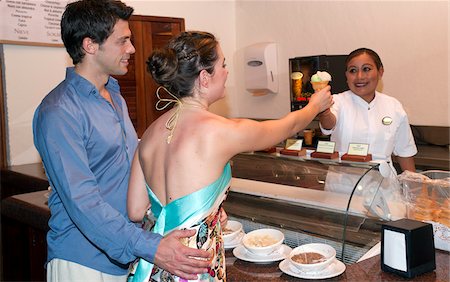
(162, 104)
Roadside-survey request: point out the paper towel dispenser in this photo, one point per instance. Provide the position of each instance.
(261, 75)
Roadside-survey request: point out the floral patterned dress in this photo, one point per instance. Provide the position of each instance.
(199, 211)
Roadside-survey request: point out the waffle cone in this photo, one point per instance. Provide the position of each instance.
(319, 85)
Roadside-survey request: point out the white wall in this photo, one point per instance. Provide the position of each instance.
(31, 72)
(411, 38)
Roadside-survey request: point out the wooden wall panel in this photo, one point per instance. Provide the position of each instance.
(137, 86)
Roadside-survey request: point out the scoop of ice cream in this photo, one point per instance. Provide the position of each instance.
(320, 80)
(320, 76)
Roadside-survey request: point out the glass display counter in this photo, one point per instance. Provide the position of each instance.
(315, 200)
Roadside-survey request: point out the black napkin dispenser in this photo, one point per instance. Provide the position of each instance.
(407, 247)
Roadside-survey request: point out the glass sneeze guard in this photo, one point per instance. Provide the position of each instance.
(341, 201)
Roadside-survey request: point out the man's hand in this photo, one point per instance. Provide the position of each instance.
(180, 260)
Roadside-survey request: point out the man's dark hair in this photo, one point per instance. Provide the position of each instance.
(90, 18)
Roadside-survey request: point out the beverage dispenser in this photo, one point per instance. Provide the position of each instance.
(307, 66)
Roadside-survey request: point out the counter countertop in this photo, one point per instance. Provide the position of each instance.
(367, 270)
(31, 209)
(432, 157)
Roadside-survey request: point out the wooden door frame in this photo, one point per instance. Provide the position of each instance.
(3, 137)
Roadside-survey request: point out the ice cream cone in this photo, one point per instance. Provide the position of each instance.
(319, 85)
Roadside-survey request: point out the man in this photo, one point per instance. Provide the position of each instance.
(86, 140)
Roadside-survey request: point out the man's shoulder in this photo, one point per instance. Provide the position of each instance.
(63, 98)
(57, 94)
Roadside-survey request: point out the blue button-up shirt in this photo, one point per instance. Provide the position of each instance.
(87, 146)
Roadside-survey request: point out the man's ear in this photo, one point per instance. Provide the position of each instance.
(89, 46)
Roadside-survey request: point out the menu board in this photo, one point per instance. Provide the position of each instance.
(31, 22)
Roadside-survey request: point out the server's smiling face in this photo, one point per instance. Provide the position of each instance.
(363, 76)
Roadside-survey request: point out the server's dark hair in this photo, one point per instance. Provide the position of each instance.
(90, 18)
(177, 66)
(367, 51)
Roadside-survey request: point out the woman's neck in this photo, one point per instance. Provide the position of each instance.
(194, 103)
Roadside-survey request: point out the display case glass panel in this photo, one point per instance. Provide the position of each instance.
(341, 202)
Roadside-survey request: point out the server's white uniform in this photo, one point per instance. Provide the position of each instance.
(383, 124)
(360, 122)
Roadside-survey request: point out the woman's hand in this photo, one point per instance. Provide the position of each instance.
(322, 99)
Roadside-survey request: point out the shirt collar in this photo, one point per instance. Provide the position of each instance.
(360, 101)
(85, 87)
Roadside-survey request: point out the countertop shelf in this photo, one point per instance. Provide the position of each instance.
(368, 270)
(24, 209)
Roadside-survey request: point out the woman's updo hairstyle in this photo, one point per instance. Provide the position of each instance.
(177, 66)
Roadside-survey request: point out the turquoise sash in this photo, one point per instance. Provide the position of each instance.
(183, 213)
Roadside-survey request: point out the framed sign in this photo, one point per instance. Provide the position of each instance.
(31, 22)
(326, 147)
(358, 149)
(294, 144)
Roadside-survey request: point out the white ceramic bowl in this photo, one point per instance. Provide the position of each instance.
(325, 250)
(263, 241)
(231, 230)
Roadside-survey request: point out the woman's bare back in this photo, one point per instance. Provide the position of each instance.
(191, 161)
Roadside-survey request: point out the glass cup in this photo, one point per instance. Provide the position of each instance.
(308, 136)
(297, 84)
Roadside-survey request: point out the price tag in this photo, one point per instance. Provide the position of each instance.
(294, 144)
(325, 147)
(358, 149)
